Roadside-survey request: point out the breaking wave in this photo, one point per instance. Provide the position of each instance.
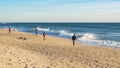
(88, 36)
(64, 33)
(43, 29)
(93, 39)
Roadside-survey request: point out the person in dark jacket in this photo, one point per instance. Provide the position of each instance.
(74, 38)
(44, 34)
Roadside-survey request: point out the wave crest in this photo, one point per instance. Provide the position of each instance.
(13, 29)
(92, 39)
(43, 29)
(88, 36)
(65, 33)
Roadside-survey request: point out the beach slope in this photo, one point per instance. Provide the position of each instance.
(54, 52)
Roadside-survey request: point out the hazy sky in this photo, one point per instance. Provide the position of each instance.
(60, 10)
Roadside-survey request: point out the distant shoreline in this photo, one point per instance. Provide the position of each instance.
(64, 22)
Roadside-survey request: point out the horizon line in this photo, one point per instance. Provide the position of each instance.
(59, 22)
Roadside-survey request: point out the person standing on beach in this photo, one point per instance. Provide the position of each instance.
(74, 38)
(9, 30)
(36, 30)
(44, 34)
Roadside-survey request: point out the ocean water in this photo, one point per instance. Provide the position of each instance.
(100, 34)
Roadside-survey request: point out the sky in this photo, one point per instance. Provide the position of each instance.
(59, 10)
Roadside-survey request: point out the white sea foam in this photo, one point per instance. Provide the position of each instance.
(13, 29)
(65, 33)
(88, 36)
(43, 29)
(92, 39)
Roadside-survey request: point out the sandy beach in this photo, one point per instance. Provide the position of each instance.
(54, 52)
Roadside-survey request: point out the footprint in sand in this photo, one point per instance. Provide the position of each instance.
(34, 67)
(9, 64)
(19, 60)
(28, 60)
(47, 67)
(10, 59)
(12, 53)
(5, 51)
(71, 61)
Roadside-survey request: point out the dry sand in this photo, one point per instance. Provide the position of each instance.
(52, 53)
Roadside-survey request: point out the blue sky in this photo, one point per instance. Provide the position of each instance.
(59, 10)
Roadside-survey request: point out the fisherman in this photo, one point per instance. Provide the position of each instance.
(74, 38)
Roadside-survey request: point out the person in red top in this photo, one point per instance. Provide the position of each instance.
(9, 30)
(44, 34)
